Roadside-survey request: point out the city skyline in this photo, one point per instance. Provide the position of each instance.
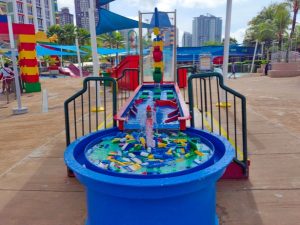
(206, 28)
(65, 17)
(41, 13)
(242, 12)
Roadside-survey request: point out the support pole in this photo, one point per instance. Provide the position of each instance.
(1, 61)
(254, 56)
(93, 40)
(94, 54)
(223, 102)
(227, 39)
(78, 57)
(19, 109)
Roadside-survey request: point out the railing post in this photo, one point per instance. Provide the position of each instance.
(191, 100)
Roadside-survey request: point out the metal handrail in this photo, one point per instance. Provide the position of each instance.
(220, 80)
(79, 94)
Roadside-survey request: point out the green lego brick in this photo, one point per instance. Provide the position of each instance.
(33, 87)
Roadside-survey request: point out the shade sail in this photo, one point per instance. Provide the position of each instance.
(62, 47)
(103, 2)
(163, 20)
(109, 22)
(42, 51)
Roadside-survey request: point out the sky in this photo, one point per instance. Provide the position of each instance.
(242, 11)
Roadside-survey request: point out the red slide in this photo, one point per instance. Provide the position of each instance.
(72, 71)
(130, 82)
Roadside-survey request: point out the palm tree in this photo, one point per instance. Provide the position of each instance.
(295, 5)
(55, 29)
(112, 40)
(281, 21)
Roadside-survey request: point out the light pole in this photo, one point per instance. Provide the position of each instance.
(19, 109)
(227, 38)
(223, 102)
(96, 68)
(78, 55)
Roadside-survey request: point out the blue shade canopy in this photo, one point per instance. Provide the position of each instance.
(42, 51)
(163, 20)
(109, 22)
(63, 47)
(104, 2)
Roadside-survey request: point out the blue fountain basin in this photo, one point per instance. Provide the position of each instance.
(186, 198)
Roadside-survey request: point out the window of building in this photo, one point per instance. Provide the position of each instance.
(48, 23)
(20, 7)
(21, 18)
(38, 2)
(47, 14)
(39, 12)
(40, 23)
(47, 3)
(29, 10)
(29, 1)
(30, 20)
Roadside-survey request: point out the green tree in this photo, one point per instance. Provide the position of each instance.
(112, 40)
(67, 34)
(232, 41)
(295, 6)
(212, 43)
(269, 25)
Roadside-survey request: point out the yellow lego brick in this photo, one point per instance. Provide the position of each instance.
(151, 156)
(159, 43)
(29, 70)
(26, 38)
(27, 55)
(161, 145)
(158, 64)
(199, 153)
(143, 141)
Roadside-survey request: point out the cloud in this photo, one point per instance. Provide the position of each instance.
(167, 5)
(67, 3)
(239, 35)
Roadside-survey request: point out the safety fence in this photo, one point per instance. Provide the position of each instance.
(219, 109)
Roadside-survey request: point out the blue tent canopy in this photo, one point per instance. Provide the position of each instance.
(42, 51)
(163, 20)
(63, 47)
(104, 2)
(109, 22)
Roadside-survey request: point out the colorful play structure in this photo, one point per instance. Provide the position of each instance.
(150, 167)
(25, 34)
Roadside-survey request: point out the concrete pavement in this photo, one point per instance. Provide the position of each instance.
(34, 188)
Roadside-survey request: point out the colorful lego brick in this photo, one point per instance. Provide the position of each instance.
(29, 70)
(26, 38)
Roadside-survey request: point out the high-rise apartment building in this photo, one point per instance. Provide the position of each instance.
(206, 28)
(65, 17)
(2, 7)
(41, 13)
(82, 14)
(187, 39)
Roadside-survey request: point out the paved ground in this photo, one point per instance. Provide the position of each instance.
(34, 188)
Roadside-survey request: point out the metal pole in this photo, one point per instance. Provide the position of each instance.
(254, 55)
(175, 48)
(227, 39)
(141, 48)
(2, 61)
(78, 57)
(20, 109)
(96, 67)
(93, 40)
(226, 48)
(262, 49)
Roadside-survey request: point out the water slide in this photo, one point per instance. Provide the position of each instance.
(129, 81)
(72, 71)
